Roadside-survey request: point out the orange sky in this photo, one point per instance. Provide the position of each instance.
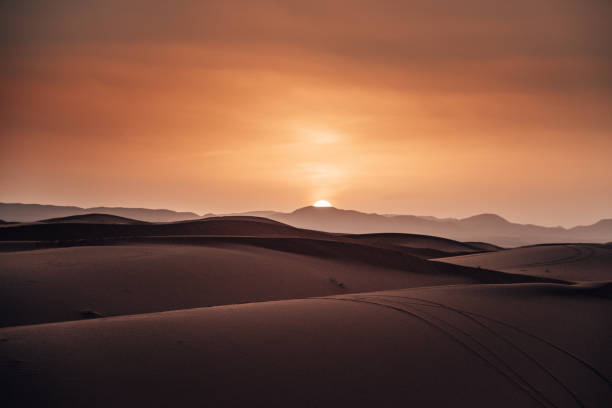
(422, 107)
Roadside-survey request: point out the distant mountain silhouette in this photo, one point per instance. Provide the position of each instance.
(36, 212)
(489, 228)
(600, 227)
(483, 227)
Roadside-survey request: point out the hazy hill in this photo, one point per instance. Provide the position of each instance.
(601, 227)
(484, 227)
(35, 212)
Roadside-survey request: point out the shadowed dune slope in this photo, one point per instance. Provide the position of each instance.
(575, 262)
(477, 346)
(93, 219)
(484, 246)
(425, 242)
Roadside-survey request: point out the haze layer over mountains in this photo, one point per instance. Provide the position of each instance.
(489, 228)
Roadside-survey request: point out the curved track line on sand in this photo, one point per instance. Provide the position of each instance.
(517, 329)
(503, 340)
(496, 356)
(527, 390)
(581, 253)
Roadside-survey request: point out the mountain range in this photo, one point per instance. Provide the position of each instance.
(482, 228)
(35, 212)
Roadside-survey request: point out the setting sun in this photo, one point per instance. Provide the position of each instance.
(322, 203)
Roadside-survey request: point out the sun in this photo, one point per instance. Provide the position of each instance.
(322, 203)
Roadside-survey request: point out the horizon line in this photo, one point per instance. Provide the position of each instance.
(447, 218)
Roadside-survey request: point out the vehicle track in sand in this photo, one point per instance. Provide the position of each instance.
(509, 374)
(525, 370)
(580, 253)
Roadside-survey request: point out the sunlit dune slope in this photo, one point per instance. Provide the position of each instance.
(575, 262)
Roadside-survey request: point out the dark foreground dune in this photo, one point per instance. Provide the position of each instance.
(533, 345)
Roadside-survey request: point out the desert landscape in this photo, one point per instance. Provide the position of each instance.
(322, 203)
(100, 310)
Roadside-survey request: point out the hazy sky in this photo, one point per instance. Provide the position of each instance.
(446, 108)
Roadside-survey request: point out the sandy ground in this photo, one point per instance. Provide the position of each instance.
(65, 283)
(539, 345)
(574, 262)
(250, 312)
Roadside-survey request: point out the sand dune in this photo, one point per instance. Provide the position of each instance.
(66, 283)
(93, 219)
(242, 311)
(144, 268)
(480, 346)
(101, 228)
(574, 262)
(86, 228)
(484, 246)
(151, 274)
